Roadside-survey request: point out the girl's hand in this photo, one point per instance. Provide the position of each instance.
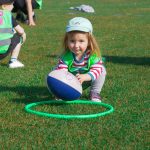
(21, 32)
(83, 77)
(24, 37)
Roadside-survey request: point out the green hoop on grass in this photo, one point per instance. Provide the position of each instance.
(61, 116)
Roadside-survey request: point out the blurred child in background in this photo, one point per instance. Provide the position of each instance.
(12, 35)
(25, 10)
(82, 56)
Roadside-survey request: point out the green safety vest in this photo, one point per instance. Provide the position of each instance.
(68, 59)
(6, 30)
(39, 3)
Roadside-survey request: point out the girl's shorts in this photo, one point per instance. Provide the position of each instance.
(15, 40)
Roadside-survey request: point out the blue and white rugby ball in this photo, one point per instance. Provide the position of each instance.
(64, 85)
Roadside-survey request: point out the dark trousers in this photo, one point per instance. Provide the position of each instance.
(15, 40)
(20, 5)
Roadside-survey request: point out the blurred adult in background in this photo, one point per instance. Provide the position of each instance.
(25, 10)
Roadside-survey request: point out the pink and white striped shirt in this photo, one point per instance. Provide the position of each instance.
(94, 71)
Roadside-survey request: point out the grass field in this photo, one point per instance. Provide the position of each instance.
(122, 29)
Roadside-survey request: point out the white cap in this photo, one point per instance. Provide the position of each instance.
(79, 24)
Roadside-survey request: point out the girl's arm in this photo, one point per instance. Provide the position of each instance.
(30, 12)
(21, 32)
(93, 74)
(96, 70)
(83, 77)
(61, 65)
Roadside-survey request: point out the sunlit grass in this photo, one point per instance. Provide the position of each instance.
(122, 30)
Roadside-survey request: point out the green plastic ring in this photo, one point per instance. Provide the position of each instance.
(61, 116)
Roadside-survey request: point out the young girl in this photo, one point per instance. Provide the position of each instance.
(82, 57)
(10, 41)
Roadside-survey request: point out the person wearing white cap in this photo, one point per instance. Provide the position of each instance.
(81, 56)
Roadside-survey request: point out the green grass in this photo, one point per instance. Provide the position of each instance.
(122, 29)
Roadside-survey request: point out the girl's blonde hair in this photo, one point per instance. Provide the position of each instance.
(93, 46)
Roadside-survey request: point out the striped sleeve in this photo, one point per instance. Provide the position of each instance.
(96, 70)
(61, 65)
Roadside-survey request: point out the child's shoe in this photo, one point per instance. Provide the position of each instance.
(15, 64)
(95, 97)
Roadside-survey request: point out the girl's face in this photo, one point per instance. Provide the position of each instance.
(8, 7)
(78, 42)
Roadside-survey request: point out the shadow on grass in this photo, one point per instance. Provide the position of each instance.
(128, 60)
(28, 94)
(31, 94)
